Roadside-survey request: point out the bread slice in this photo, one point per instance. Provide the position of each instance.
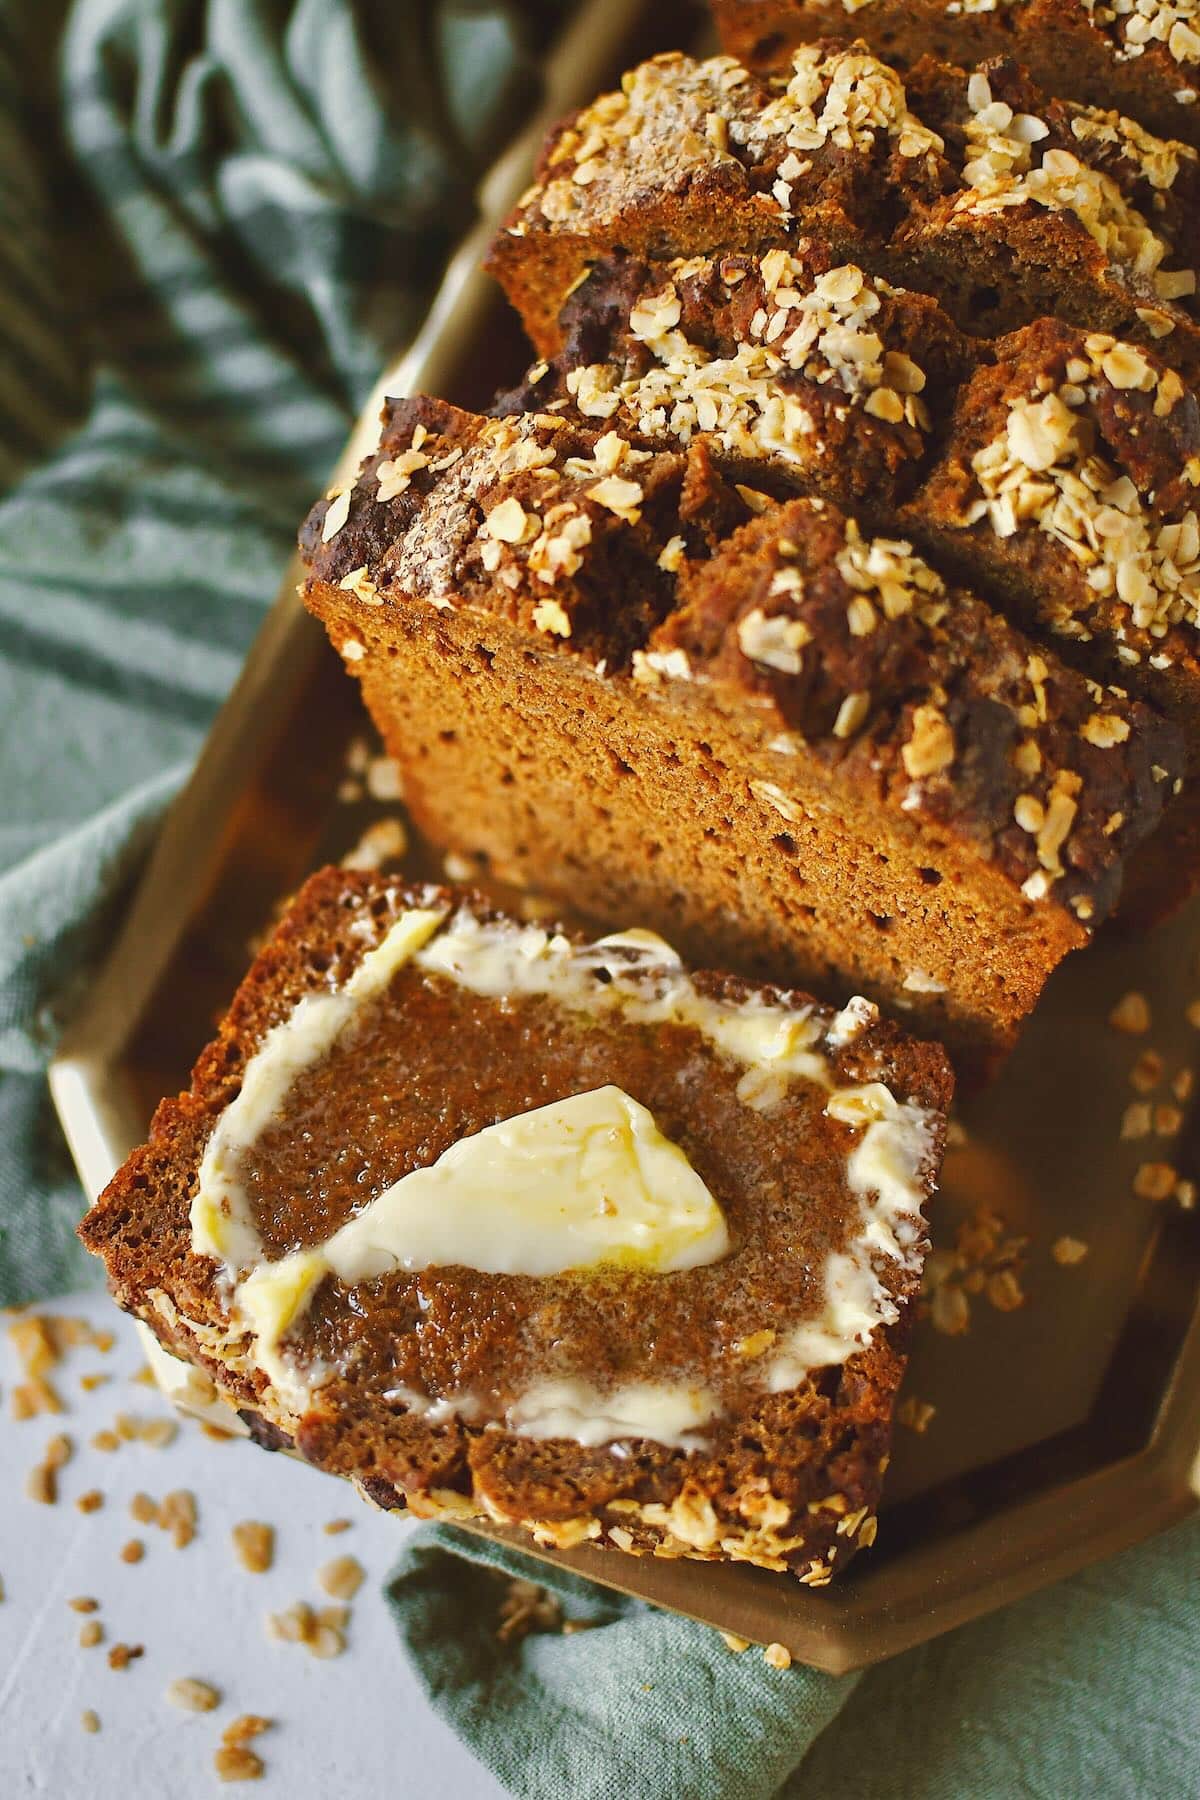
(1002, 202)
(799, 375)
(1143, 59)
(701, 1361)
(788, 746)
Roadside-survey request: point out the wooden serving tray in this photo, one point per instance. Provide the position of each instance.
(1065, 1428)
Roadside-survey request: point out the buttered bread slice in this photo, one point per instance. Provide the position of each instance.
(497, 1222)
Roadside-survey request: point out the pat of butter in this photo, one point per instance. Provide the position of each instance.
(582, 1183)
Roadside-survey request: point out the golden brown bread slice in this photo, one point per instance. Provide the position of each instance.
(726, 1394)
(795, 749)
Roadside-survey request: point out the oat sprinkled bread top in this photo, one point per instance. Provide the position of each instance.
(1141, 56)
(572, 1239)
(791, 358)
(819, 665)
(1003, 203)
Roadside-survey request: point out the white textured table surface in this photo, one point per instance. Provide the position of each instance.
(355, 1725)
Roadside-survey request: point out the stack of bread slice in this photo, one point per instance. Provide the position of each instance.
(826, 596)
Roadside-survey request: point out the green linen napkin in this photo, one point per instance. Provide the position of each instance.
(216, 219)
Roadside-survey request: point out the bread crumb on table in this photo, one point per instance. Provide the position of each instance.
(90, 1721)
(254, 1545)
(778, 1656)
(191, 1695)
(1131, 1014)
(342, 1577)
(1068, 1251)
(233, 1762)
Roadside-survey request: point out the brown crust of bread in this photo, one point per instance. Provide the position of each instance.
(1068, 50)
(849, 822)
(690, 158)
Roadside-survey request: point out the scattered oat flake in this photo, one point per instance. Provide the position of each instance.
(245, 1727)
(91, 1632)
(1193, 1014)
(1185, 1195)
(1131, 1014)
(41, 1484)
(90, 1721)
(342, 1577)
(1137, 1120)
(951, 1311)
(1154, 1181)
(144, 1509)
(83, 1603)
(778, 1656)
(89, 1383)
(133, 1551)
(1146, 1072)
(1068, 1250)
(191, 1695)
(58, 1451)
(916, 1414)
(106, 1441)
(734, 1643)
(233, 1762)
(254, 1544)
(121, 1655)
(90, 1502)
(335, 1527)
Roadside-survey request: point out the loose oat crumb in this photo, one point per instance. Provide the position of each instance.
(177, 1514)
(158, 1433)
(295, 1625)
(133, 1551)
(41, 1484)
(121, 1655)
(1182, 1084)
(89, 1383)
(916, 1414)
(1193, 1014)
(526, 1607)
(950, 1311)
(58, 1451)
(254, 1544)
(1068, 1251)
(1185, 1195)
(778, 1656)
(734, 1643)
(334, 1527)
(83, 1603)
(144, 1509)
(91, 1632)
(34, 1344)
(342, 1577)
(233, 1762)
(1131, 1014)
(1137, 1120)
(1004, 1291)
(106, 1442)
(1154, 1181)
(326, 1642)
(1146, 1072)
(90, 1721)
(90, 1502)
(245, 1727)
(191, 1695)
(1167, 1120)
